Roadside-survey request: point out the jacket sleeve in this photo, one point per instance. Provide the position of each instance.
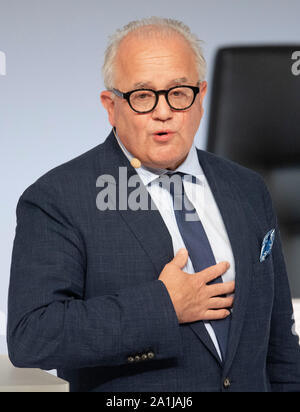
(283, 362)
(50, 324)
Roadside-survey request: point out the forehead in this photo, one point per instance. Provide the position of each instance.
(154, 60)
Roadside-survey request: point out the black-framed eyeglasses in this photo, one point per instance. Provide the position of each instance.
(145, 100)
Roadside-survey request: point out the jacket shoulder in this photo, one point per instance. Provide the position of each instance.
(250, 184)
(240, 174)
(78, 170)
(80, 165)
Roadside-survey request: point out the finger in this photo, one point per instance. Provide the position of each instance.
(216, 314)
(221, 288)
(215, 271)
(181, 257)
(220, 303)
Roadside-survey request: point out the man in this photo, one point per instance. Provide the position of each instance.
(141, 299)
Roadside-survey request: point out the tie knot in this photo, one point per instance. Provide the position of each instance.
(183, 176)
(171, 173)
(173, 183)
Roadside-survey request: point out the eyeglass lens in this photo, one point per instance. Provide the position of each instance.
(179, 98)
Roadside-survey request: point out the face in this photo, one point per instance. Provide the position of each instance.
(155, 63)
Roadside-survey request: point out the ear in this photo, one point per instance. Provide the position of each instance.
(200, 97)
(108, 104)
(203, 90)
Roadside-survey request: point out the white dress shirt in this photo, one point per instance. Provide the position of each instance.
(200, 195)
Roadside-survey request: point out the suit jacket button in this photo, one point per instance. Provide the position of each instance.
(226, 383)
(137, 358)
(130, 359)
(150, 355)
(144, 356)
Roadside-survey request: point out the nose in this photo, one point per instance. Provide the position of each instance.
(162, 111)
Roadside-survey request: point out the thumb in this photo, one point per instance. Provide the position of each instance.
(181, 257)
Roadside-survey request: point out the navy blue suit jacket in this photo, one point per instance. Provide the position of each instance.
(85, 297)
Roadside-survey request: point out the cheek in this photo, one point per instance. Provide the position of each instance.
(189, 122)
(128, 119)
(123, 120)
(132, 129)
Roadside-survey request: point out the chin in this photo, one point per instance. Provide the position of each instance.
(167, 163)
(172, 162)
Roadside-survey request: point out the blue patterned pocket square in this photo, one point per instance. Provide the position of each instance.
(267, 245)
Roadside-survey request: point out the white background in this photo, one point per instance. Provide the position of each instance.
(49, 99)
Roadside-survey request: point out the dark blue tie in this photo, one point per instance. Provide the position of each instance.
(197, 245)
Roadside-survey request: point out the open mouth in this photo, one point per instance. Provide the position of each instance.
(163, 135)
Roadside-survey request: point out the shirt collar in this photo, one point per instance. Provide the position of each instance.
(190, 166)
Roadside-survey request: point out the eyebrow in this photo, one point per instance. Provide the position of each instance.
(175, 82)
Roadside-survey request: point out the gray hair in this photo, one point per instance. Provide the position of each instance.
(160, 24)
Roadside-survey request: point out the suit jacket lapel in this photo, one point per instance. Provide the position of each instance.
(232, 208)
